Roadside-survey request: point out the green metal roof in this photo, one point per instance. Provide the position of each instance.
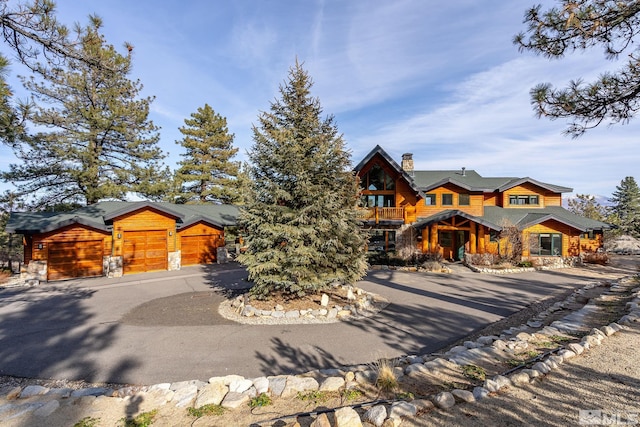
(526, 217)
(496, 218)
(423, 181)
(441, 216)
(101, 214)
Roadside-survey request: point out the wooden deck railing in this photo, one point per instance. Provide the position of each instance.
(381, 214)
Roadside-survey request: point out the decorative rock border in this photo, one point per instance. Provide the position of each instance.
(487, 270)
(363, 304)
(233, 391)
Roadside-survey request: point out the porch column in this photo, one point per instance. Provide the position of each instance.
(434, 238)
(472, 237)
(425, 240)
(481, 239)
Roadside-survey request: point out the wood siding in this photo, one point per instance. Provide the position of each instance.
(199, 243)
(407, 199)
(591, 245)
(141, 220)
(570, 237)
(545, 197)
(70, 233)
(475, 207)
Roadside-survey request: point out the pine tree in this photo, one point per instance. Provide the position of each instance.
(626, 206)
(587, 206)
(207, 173)
(301, 226)
(96, 140)
(580, 26)
(38, 41)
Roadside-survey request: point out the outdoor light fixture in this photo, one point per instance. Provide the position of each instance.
(119, 236)
(40, 246)
(171, 233)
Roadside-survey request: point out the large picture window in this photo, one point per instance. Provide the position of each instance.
(377, 180)
(545, 244)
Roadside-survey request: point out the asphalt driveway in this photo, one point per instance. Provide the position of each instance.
(98, 330)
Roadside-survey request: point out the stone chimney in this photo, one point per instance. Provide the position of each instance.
(407, 163)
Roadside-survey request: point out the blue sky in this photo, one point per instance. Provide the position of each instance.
(441, 80)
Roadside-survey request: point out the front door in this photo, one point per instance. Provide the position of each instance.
(460, 245)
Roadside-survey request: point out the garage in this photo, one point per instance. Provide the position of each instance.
(200, 249)
(67, 260)
(145, 251)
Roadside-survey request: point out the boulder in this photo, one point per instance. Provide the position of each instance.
(211, 394)
(402, 409)
(233, 400)
(463, 395)
(444, 400)
(347, 417)
(375, 415)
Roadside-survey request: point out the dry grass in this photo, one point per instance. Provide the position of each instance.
(4, 276)
(386, 379)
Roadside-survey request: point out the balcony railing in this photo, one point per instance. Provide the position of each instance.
(381, 214)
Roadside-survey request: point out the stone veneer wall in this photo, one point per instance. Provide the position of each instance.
(112, 266)
(35, 272)
(175, 259)
(222, 255)
(406, 241)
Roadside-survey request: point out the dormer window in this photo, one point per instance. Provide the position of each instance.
(377, 180)
(524, 200)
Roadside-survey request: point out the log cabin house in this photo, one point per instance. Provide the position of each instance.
(458, 212)
(116, 238)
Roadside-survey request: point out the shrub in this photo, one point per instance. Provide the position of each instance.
(595, 258)
(145, 419)
(485, 259)
(262, 399)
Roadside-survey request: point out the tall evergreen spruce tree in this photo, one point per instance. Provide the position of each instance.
(94, 140)
(626, 206)
(207, 173)
(301, 226)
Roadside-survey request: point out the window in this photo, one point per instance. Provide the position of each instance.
(377, 180)
(382, 241)
(494, 236)
(447, 199)
(430, 199)
(463, 200)
(524, 200)
(378, 201)
(445, 239)
(545, 244)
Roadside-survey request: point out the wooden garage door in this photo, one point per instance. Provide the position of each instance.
(199, 249)
(145, 251)
(67, 260)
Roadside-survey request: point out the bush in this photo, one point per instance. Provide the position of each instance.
(595, 258)
(485, 259)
